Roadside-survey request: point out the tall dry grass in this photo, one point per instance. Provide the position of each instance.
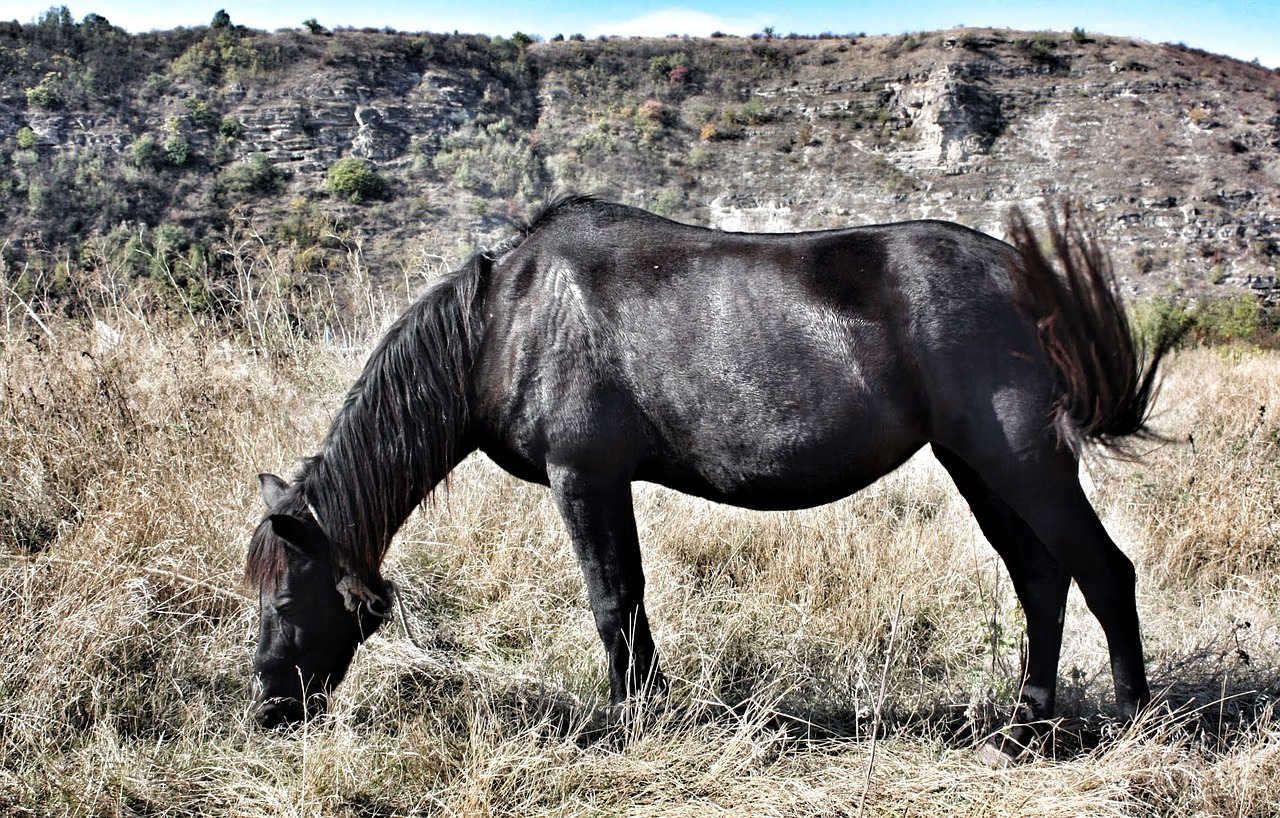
(837, 661)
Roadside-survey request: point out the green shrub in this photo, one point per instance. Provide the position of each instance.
(27, 139)
(1155, 319)
(47, 94)
(662, 66)
(254, 175)
(177, 151)
(145, 152)
(230, 128)
(155, 85)
(228, 56)
(1235, 318)
(202, 116)
(1229, 319)
(353, 179)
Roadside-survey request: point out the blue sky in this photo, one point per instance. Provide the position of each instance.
(1246, 29)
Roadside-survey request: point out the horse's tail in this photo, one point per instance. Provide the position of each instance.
(1106, 379)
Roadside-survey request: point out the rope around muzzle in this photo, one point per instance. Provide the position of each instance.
(357, 595)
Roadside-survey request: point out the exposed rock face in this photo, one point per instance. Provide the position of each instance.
(378, 137)
(957, 117)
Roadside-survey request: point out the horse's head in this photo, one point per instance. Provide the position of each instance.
(314, 612)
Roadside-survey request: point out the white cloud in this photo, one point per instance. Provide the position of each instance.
(681, 21)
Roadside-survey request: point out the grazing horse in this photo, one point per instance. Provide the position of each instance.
(604, 345)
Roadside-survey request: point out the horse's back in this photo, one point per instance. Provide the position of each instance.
(762, 369)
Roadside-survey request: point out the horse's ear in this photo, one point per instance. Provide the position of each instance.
(273, 489)
(290, 529)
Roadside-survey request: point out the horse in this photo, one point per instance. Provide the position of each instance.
(603, 344)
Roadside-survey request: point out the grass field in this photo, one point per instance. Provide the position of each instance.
(839, 661)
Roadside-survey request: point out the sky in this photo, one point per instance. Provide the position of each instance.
(1245, 29)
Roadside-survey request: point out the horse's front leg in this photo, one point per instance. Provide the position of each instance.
(598, 514)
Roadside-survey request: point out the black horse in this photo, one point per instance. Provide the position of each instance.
(605, 345)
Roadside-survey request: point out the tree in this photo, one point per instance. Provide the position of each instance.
(221, 19)
(95, 25)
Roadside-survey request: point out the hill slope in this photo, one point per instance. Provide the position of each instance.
(159, 148)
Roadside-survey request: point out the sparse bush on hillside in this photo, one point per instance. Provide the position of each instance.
(354, 180)
(48, 93)
(669, 69)
(202, 116)
(177, 151)
(145, 152)
(226, 55)
(26, 138)
(1219, 320)
(230, 128)
(495, 160)
(255, 174)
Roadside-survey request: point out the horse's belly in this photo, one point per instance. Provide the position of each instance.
(776, 470)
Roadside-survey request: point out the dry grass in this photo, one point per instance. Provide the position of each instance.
(128, 454)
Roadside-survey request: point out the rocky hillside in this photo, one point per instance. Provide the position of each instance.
(160, 150)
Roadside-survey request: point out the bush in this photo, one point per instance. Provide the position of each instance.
(662, 66)
(254, 175)
(1235, 318)
(202, 116)
(353, 179)
(230, 128)
(177, 151)
(1228, 319)
(146, 153)
(47, 94)
(27, 139)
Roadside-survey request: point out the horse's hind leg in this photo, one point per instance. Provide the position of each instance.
(1064, 519)
(1041, 486)
(602, 527)
(1041, 585)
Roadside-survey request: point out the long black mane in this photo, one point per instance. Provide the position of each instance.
(402, 426)
(397, 433)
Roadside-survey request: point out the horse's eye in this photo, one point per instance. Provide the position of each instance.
(285, 605)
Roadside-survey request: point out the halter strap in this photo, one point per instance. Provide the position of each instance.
(356, 594)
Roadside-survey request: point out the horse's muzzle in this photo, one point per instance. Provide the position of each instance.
(284, 711)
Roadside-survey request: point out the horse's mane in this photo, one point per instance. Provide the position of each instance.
(545, 214)
(396, 435)
(402, 426)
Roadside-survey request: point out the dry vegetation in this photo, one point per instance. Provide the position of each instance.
(128, 448)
